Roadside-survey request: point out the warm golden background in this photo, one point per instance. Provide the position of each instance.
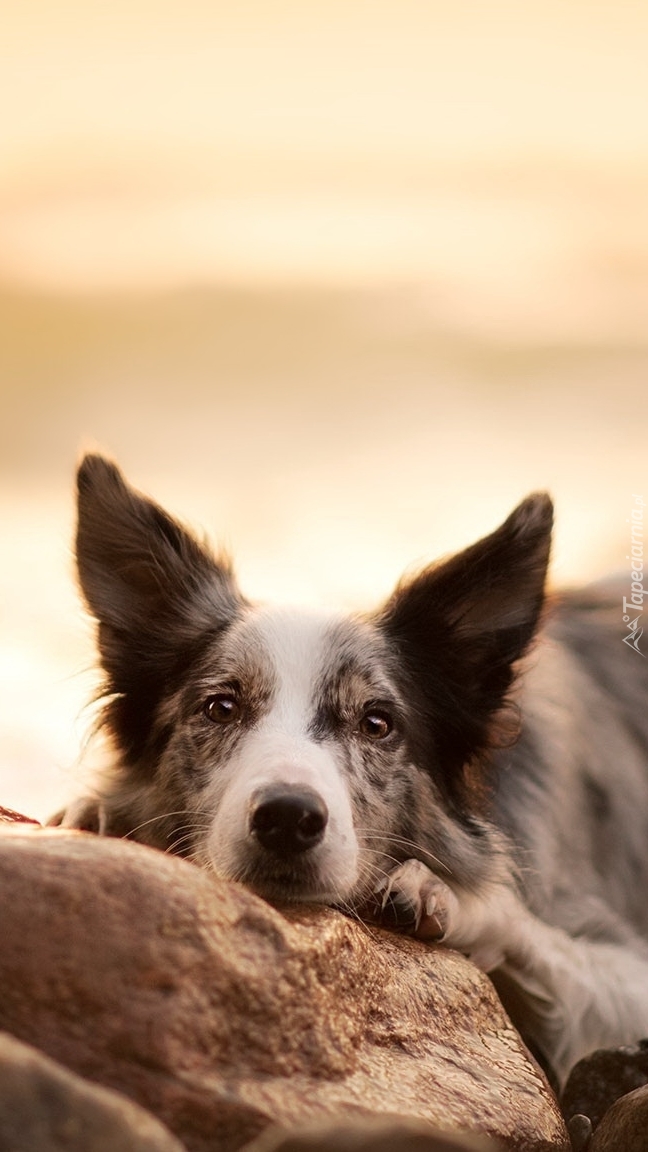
(340, 281)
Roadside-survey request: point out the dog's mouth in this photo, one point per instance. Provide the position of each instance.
(281, 884)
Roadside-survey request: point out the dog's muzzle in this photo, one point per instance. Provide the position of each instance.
(288, 821)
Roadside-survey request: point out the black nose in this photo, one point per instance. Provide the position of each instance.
(287, 821)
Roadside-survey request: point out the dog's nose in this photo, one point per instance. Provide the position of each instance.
(287, 821)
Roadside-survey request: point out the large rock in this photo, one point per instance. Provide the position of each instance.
(220, 1015)
(46, 1108)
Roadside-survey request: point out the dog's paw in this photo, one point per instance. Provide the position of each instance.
(413, 900)
(85, 815)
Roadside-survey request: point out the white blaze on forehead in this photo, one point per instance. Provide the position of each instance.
(298, 645)
(294, 649)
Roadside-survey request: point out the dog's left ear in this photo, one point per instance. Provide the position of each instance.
(461, 625)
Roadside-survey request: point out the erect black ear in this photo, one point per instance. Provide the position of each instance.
(154, 590)
(461, 625)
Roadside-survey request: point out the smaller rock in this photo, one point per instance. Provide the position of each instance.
(384, 1134)
(624, 1128)
(45, 1108)
(8, 816)
(601, 1078)
(580, 1132)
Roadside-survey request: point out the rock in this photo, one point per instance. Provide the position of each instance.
(389, 1134)
(221, 1015)
(46, 1108)
(624, 1128)
(580, 1132)
(8, 816)
(601, 1078)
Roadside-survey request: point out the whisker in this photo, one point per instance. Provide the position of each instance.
(186, 839)
(374, 871)
(396, 840)
(192, 858)
(198, 827)
(386, 856)
(154, 819)
(348, 909)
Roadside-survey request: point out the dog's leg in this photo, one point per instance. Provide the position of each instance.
(85, 815)
(89, 814)
(576, 994)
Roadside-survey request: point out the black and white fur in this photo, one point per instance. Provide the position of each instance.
(368, 762)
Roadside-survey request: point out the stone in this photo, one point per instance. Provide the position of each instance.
(8, 816)
(46, 1108)
(580, 1132)
(222, 1015)
(624, 1128)
(595, 1082)
(388, 1134)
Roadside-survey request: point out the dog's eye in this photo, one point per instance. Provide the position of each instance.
(376, 724)
(222, 708)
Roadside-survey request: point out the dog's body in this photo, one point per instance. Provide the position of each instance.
(368, 762)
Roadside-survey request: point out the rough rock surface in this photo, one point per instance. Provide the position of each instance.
(624, 1128)
(46, 1108)
(220, 1015)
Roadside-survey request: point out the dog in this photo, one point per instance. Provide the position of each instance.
(464, 763)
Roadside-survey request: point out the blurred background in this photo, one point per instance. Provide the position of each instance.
(339, 282)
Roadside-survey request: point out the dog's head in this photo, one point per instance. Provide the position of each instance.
(300, 753)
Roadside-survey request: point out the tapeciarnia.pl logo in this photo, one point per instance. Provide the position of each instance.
(631, 616)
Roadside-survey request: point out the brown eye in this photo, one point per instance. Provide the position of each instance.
(376, 724)
(222, 708)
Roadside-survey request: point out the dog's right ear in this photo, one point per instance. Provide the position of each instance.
(153, 589)
(462, 625)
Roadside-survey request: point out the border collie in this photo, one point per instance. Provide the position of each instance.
(369, 762)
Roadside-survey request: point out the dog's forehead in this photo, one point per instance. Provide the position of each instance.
(303, 647)
(299, 643)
